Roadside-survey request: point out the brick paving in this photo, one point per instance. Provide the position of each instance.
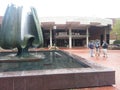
(112, 61)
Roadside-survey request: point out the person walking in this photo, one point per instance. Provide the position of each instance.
(105, 47)
(91, 47)
(97, 47)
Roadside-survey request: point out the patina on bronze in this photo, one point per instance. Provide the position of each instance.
(20, 29)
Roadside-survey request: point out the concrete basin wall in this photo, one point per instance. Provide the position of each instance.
(65, 78)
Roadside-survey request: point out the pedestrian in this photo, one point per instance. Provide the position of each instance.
(97, 47)
(105, 47)
(91, 47)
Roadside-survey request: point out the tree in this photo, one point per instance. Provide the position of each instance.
(116, 29)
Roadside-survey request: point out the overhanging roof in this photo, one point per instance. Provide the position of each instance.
(74, 22)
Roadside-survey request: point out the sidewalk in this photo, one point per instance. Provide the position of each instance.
(112, 61)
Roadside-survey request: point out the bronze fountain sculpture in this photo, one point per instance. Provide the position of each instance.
(20, 29)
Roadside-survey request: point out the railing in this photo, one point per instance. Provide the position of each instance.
(57, 36)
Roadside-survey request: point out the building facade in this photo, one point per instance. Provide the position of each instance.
(74, 31)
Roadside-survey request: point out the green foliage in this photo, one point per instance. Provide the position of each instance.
(116, 28)
(116, 42)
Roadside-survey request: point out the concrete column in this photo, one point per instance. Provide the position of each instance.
(87, 37)
(50, 37)
(105, 33)
(70, 38)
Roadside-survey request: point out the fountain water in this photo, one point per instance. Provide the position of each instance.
(53, 69)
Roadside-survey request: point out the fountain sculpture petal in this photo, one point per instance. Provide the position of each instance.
(20, 29)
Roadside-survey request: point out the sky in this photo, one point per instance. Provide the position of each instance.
(81, 8)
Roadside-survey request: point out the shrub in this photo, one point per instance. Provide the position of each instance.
(116, 42)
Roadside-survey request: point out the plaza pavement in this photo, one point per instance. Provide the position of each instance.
(112, 61)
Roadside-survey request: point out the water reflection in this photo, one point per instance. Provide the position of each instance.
(48, 60)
